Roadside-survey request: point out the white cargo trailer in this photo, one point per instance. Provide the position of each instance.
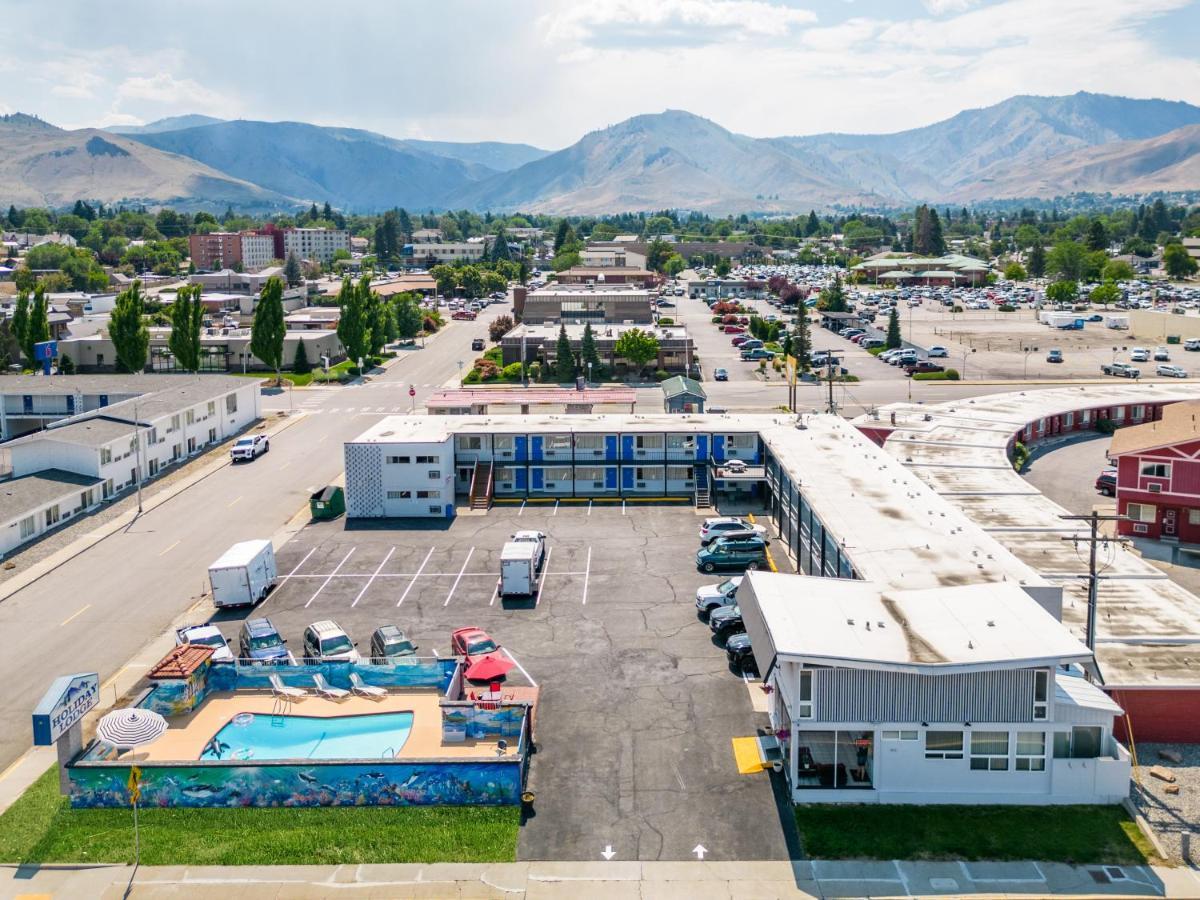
(243, 575)
(518, 569)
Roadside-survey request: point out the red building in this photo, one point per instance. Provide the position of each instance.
(1158, 475)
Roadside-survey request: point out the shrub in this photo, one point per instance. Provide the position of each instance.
(951, 374)
(495, 354)
(472, 377)
(661, 375)
(535, 371)
(512, 372)
(1020, 456)
(488, 370)
(875, 351)
(956, 308)
(1006, 307)
(499, 327)
(666, 320)
(1105, 426)
(716, 320)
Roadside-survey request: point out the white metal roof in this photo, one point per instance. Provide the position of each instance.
(240, 554)
(1072, 690)
(862, 623)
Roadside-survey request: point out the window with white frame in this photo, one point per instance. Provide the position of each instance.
(435, 474)
(1041, 691)
(1139, 412)
(51, 516)
(1194, 516)
(399, 495)
(211, 410)
(1031, 751)
(398, 460)
(434, 510)
(1141, 512)
(804, 707)
(105, 455)
(989, 751)
(558, 442)
(231, 404)
(943, 745)
(425, 460)
(190, 416)
(470, 442)
(1156, 470)
(900, 735)
(428, 495)
(28, 527)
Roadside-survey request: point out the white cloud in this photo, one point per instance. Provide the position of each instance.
(166, 89)
(940, 7)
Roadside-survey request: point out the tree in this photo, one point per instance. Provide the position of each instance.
(1037, 260)
(130, 337)
(657, 253)
(564, 359)
(637, 346)
(300, 363)
(589, 355)
(1177, 262)
(927, 232)
(1027, 236)
(379, 317)
(893, 339)
(20, 324)
(470, 279)
(1105, 293)
(354, 326)
(833, 297)
(500, 249)
(1097, 236)
(37, 329)
(446, 279)
(1068, 260)
(268, 330)
(1116, 270)
(499, 327)
(408, 317)
(187, 319)
(564, 234)
(802, 342)
(1062, 292)
(723, 267)
(291, 269)
(66, 365)
(674, 265)
(812, 225)
(1014, 271)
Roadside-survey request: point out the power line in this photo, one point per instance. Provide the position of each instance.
(1093, 576)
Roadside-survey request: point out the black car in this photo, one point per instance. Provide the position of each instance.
(477, 344)
(726, 621)
(740, 653)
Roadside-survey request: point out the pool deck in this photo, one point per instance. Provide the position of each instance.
(187, 736)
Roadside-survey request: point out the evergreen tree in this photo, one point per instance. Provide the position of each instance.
(130, 337)
(405, 225)
(407, 316)
(327, 212)
(813, 225)
(187, 318)
(378, 313)
(563, 235)
(1097, 236)
(20, 324)
(1037, 260)
(66, 365)
(268, 330)
(300, 363)
(37, 329)
(354, 327)
(500, 250)
(564, 359)
(802, 342)
(893, 331)
(833, 297)
(291, 269)
(588, 354)
(14, 217)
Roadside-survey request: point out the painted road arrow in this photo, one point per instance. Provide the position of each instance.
(699, 850)
(608, 852)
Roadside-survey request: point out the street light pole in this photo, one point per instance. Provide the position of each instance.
(137, 451)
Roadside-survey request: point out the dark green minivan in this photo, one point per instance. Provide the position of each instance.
(749, 552)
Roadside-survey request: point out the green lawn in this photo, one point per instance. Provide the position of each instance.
(41, 828)
(1069, 834)
(317, 376)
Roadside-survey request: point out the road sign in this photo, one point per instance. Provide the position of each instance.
(412, 391)
(69, 699)
(45, 350)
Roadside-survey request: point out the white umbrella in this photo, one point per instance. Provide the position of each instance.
(126, 729)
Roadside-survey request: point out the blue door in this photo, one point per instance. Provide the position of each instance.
(719, 447)
(521, 481)
(627, 446)
(610, 475)
(610, 448)
(702, 447)
(539, 477)
(70, 404)
(104, 399)
(27, 403)
(449, 510)
(627, 474)
(537, 448)
(520, 448)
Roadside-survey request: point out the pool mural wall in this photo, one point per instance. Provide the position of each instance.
(98, 785)
(466, 720)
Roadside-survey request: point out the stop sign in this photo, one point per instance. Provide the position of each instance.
(412, 391)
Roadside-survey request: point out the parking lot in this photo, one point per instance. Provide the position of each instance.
(638, 704)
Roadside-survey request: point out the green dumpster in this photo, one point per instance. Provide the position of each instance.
(327, 503)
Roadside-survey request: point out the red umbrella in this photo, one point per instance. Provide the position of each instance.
(488, 667)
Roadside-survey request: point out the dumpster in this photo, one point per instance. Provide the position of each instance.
(327, 503)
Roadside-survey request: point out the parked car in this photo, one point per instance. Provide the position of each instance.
(1192, 344)
(1169, 371)
(472, 642)
(250, 447)
(756, 354)
(533, 537)
(259, 640)
(325, 641)
(904, 358)
(740, 653)
(1121, 370)
(923, 366)
(734, 329)
(870, 343)
(1095, 317)
(464, 314)
(1054, 356)
(390, 642)
(720, 374)
(209, 636)
(714, 596)
(1139, 354)
(1162, 354)
(1106, 482)
(477, 344)
(719, 526)
(823, 358)
(733, 553)
(726, 621)
(739, 339)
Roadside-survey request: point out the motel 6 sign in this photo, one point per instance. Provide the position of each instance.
(69, 699)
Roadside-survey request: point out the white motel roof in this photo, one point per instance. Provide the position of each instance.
(837, 621)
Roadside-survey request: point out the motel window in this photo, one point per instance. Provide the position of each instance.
(398, 460)
(1194, 516)
(231, 404)
(1139, 412)
(174, 423)
(943, 745)
(212, 409)
(1141, 512)
(428, 495)
(434, 510)
(425, 460)
(51, 516)
(470, 442)
(558, 442)
(1031, 751)
(399, 495)
(1070, 420)
(989, 751)
(1156, 470)
(105, 455)
(1041, 690)
(190, 415)
(28, 526)
(804, 708)
(900, 735)
(435, 474)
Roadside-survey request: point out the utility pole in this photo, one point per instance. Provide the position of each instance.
(1093, 577)
(137, 450)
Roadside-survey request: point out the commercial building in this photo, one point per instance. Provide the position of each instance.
(908, 268)
(427, 255)
(532, 399)
(316, 244)
(676, 350)
(964, 694)
(248, 250)
(630, 275)
(587, 303)
(724, 288)
(1158, 476)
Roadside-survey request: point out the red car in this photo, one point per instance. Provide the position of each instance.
(740, 339)
(472, 642)
(735, 329)
(923, 366)
(464, 314)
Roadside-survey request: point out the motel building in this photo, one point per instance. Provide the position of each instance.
(966, 694)
(1158, 476)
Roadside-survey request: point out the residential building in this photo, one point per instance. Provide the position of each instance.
(605, 257)
(676, 349)
(1192, 246)
(587, 303)
(316, 244)
(234, 282)
(1158, 476)
(964, 694)
(17, 240)
(247, 250)
(429, 254)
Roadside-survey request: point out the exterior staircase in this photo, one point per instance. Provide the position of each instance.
(482, 484)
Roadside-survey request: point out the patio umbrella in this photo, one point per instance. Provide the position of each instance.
(488, 668)
(126, 729)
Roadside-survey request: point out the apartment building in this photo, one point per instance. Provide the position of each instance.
(248, 250)
(316, 244)
(426, 255)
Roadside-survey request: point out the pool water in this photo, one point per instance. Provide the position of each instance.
(263, 736)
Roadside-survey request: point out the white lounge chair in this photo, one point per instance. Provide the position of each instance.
(367, 690)
(325, 689)
(279, 689)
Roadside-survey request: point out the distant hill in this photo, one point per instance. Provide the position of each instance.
(171, 123)
(494, 155)
(41, 165)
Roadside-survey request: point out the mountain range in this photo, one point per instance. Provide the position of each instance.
(1023, 147)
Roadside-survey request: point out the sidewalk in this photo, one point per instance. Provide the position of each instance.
(609, 880)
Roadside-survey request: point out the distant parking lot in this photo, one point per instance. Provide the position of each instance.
(638, 704)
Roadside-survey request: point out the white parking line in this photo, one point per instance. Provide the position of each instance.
(542, 581)
(528, 677)
(330, 578)
(454, 586)
(298, 565)
(372, 578)
(622, 506)
(589, 507)
(522, 509)
(415, 577)
(555, 513)
(495, 594)
(586, 575)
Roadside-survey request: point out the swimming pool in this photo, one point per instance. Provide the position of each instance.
(261, 736)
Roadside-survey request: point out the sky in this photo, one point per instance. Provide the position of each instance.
(545, 72)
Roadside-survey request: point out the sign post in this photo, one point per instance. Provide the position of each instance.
(58, 718)
(45, 352)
